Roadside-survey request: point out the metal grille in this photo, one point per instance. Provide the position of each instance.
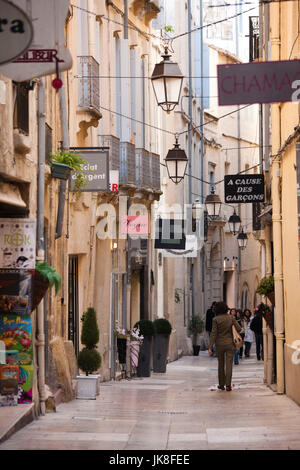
(89, 93)
(21, 116)
(143, 171)
(253, 38)
(155, 163)
(127, 163)
(114, 150)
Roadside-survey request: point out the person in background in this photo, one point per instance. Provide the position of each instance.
(210, 314)
(221, 335)
(256, 327)
(242, 333)
(249, 336)
(236, 315)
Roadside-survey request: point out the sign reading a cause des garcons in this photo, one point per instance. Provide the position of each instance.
(244, 188)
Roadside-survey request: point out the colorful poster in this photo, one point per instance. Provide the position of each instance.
(15, 291)
(25, 384)
(18, 243)
(16, 334)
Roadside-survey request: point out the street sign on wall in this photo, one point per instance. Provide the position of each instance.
(48, 47)
(245, 188)
(262, 82)
(96, 170)
(16, 32)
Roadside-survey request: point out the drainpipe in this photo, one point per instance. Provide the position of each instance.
(40, 334)
(65, 144)
(190, 136)
(276, 207)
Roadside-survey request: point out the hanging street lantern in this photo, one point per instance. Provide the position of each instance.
(167, 82)
(242, 239)
(176, 163)
(234, 223)
(213, 204)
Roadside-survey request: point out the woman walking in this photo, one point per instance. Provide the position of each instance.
(249, 336)
(221, 335)
(236, 315)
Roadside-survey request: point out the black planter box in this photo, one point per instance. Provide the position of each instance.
(196, 350)
(160, 352)
(144, 365)
(121, 344)
(60, 171)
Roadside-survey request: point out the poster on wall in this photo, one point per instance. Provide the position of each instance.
(16, 334)
(15, 291)
(18, 243)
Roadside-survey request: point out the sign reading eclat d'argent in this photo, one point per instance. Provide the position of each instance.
(96, 170)
(263, 82)
(244, 188)
(16, 32)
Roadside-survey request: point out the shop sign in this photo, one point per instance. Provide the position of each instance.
(262, 82)
(17, 243)
(170, 234)
(243, 189)
(48, 49)
(96, 170)
(16, 32)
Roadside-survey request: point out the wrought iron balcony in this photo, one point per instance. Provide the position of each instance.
(143, 168)
(88, 84)
(127, 164)
(155, 172)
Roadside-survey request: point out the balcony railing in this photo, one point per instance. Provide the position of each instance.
(155, 172)
(89, 93)
(127, 164)
(143, 168)
(136, 167)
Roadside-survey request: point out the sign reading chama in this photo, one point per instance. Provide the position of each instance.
(16, 32)
(263, 82)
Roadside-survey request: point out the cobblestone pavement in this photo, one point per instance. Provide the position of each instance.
(173, 411)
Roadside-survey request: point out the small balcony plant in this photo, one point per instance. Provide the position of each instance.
(266, 287)
(195, 327)
(64, 162)
(44, 277)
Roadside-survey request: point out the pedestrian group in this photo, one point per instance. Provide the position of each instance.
(220, 321)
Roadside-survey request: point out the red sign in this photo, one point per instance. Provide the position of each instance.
(261, 82)
(134, 224)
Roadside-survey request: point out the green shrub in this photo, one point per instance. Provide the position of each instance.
(146, 327)
(266, 286)
(90, 330)
(162, 326)
(89, 359)
(74, 161)
(196, 325)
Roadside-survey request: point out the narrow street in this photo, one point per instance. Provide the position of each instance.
(172, 411)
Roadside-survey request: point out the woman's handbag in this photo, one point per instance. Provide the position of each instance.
(237, 339)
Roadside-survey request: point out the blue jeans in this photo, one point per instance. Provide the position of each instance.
(236, 356)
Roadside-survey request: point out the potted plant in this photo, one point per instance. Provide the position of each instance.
(44, 276)
(144, 363)
(196, 326)
(64, 162)
(266, 287)
(162, 331)
(89, 359)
